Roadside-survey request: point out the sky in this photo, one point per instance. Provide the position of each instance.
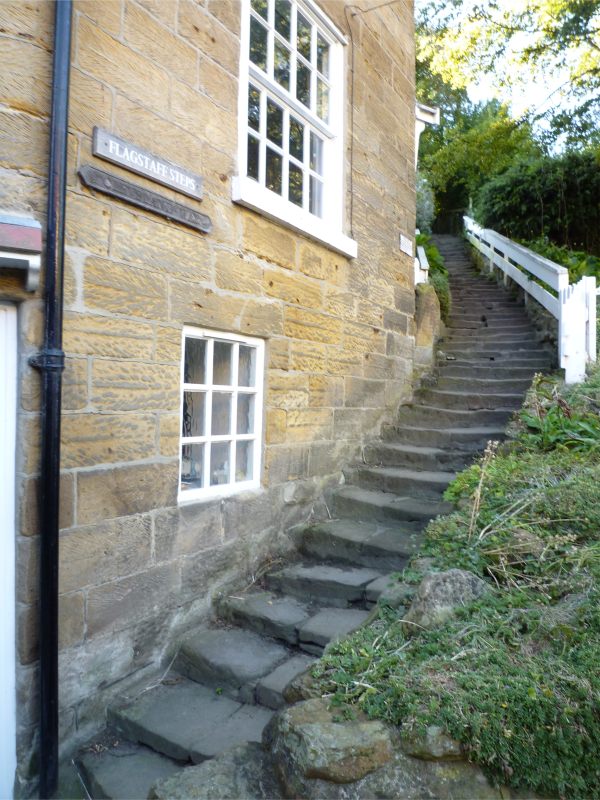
(538, 95)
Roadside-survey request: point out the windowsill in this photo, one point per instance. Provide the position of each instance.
(216, 492)
(249, 193)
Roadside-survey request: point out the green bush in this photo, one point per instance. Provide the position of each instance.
(438, 275)
(514, 677)
(577, 262)
(554, 198)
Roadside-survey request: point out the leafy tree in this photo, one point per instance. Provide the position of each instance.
(484, 145)
(514, 41)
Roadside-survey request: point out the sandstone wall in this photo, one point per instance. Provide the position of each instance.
(135, 568)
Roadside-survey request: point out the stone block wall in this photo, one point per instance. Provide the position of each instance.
(135, 568)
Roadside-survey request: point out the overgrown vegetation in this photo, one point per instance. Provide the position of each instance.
(576, 261)
(556, 198)
(438, 274)
(514, 676)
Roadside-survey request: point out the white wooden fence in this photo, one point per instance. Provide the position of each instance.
(573, 305)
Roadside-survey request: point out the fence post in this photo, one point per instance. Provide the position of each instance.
(590, 301)
(573, 330)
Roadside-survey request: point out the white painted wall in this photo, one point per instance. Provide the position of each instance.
(8, 412)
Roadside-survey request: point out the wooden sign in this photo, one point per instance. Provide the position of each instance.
(112, 148)
(138, 196)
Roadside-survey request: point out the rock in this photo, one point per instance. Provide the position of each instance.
(242, 772)
(307, 742)
(439, 595)
(433, 745)
(406, 778)
(427, 315)
(304, 687)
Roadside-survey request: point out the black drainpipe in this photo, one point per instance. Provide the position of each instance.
(50, 362)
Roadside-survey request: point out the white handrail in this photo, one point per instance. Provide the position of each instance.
(574, 306)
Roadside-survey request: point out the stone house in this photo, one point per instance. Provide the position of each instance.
(239, 310)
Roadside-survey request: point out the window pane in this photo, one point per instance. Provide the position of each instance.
(258, 44)
(295, 181)
(316, 196)
(322, 55)
(192, 466)
(245, 413)
(303, 36)
(194, 370)
(222, 363)
(219, 463)
(247, 366)
(275, 123)
(316, 153)
(221, 413)
(296, 139)
(244, 468)
(253, 108)
(192, 423)
(282, 65)
(322, 100)
(273, 176)
(253, 150)
(283, 18)
(303, 83)
(261, 7)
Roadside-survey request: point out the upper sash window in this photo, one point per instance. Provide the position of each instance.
(291, 118)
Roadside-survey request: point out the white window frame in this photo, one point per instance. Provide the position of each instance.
(327, 229)
(208, 492)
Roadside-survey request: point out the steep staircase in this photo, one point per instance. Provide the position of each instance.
(230, 675)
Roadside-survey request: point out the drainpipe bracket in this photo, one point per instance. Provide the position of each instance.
(48, 360)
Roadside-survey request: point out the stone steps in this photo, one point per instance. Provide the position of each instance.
(471, 401)
(188, 722)
(123, 770)
(390, 454)
(266, 613)
(231, 660)
(535, 363)
(487, 372)
(490, 327)
(534, 356)
(368, 504)
(439, 416)
(229, 676)
(469, 439)
(480, 385)
(383, 547)
(337, 586)
(417, 483)
(508, 343)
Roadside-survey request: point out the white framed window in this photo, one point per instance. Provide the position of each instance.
(291, 119)
(221, 413)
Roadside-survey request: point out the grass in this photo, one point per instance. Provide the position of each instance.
(515, 675)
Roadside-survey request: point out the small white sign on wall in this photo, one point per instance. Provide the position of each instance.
(406, 245)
